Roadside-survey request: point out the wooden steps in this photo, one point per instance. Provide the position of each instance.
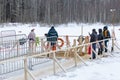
(67, 63)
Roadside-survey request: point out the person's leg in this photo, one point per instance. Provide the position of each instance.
(33, 47)
(54, 47)
(101, 48)
(94, 48)
(99, 51)
(106, 46)
(30, 47)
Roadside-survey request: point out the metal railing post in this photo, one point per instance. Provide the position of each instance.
(54, 70)
(25, 69)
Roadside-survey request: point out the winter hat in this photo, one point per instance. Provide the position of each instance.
(46, 34)
(93, 30)
(105, 28)
(32, 29)
(52, 27)
(100, 30)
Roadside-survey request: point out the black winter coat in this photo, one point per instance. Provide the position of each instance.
(52, 35)
(100, 36)
(93, 37)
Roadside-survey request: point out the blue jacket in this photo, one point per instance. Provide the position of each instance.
(93, 37)
(52, 35)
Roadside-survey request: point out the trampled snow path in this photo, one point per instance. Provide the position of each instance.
(107, 68)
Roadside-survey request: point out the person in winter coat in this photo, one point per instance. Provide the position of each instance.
(93, 38)
(31, 38)
(100, 37)
(106, 35)
(52, 37)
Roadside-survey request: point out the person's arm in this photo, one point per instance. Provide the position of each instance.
(57, 34)
(109, 35)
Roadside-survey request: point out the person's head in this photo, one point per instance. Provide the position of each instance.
(52, 27)
(105, 28)
(100, 30)
(46, 34)
(32, 30)
(94, 31)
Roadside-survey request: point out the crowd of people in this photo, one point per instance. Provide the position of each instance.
(52, 37)
(94, 36)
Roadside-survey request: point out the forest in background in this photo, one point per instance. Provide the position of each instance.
(59, 11)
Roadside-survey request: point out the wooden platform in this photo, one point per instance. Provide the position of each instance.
(66, 62)
(47, 68)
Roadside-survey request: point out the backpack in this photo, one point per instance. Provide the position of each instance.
(106, 34)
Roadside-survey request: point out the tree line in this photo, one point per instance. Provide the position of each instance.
(59, 11)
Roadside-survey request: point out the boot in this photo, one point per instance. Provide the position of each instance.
(99, 52)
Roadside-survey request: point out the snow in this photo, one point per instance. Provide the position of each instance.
(65, 29)
(106, 68)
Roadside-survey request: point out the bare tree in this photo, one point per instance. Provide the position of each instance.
(59, 11)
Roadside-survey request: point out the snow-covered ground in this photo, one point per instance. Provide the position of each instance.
(106, 68)
(103, 69)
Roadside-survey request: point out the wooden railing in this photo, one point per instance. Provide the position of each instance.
(54, 58)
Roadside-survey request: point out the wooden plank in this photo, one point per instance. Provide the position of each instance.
(48, 70)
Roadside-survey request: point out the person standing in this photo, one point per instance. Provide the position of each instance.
(93, 38)
(32, 37)
(52, 37)
(106, 34)
(100, 37)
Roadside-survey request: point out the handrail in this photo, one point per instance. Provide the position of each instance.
(45, 53)
(13, 35)
(50, 52)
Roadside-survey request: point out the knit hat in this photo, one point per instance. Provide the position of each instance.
(100, 30)
(32, 29)
(105, 28)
